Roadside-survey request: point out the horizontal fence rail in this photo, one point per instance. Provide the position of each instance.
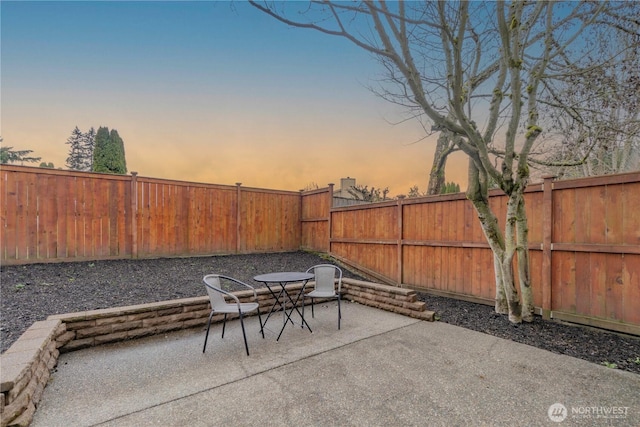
(584, 234)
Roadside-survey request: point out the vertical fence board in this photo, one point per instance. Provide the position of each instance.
(460, 264)
(103, 215)
(568, 283)
(73, 215)
(536, 275)
(631, 216)
(565, 221)
(534, 208)
(170, 209)
(583, 283)
(437, 268)
(614, 286)
(144, 232)
(126, 220)
(476, 273)
(13, 215)
(9, 216)
(488, 275)
(598, 280)
(613, 216)
(65, 220)
(631, 290)
(143, 217)
(437, 222)
(31, 217)
(91, 229)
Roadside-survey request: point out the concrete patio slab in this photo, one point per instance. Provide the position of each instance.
(380, 369)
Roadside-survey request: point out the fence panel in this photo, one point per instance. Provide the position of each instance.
(593, 235)
(315, 207)
(269, 220)
(180, 218)
(596, 254)
(53, 215)
(367, 235)
(61, 215)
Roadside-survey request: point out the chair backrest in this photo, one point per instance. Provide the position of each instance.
(216, 295)
(325, 275)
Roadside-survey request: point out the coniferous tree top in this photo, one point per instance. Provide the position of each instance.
(8, 155)
(74, 160)
(108, 152)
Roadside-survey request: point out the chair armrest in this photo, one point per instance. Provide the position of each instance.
(255, 295)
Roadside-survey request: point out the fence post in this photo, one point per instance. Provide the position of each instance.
(400, 237)
(329, 222)
(301, 220)
(547, 245)
(134, 215)
(238, 184)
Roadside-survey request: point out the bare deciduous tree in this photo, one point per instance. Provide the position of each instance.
(474, 70)
(365, 194)
(594, 112)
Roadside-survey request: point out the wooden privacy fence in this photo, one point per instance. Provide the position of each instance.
(584, 234)
(54, 215)
(584, 244)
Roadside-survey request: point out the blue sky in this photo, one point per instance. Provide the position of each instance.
(204, 91)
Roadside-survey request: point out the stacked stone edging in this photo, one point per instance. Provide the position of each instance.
(386, 297)
(27, 365)
(26, 368)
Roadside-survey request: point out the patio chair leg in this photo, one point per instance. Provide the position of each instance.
(312, 313)
(244, 335)
(339, 312)
(260, 320)
(207, 335)
(224, 323)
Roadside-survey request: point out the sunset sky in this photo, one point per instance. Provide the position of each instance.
(214, 92)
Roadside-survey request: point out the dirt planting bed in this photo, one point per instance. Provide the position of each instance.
(33, 292)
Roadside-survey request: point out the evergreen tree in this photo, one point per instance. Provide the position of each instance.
(100, 150)
(450, 187)
(108, 152)
(81, 150)
(8, 155)
(76, 155)
(88, 141)
(118, 144)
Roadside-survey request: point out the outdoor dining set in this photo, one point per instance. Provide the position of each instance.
(326, 280)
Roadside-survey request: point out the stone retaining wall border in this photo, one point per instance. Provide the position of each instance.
(27, 365)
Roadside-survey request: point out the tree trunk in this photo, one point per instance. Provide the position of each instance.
(501, 305)
(510, 248)
(504, 247)
(524, 276)
(478, 194)
(437, 174)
